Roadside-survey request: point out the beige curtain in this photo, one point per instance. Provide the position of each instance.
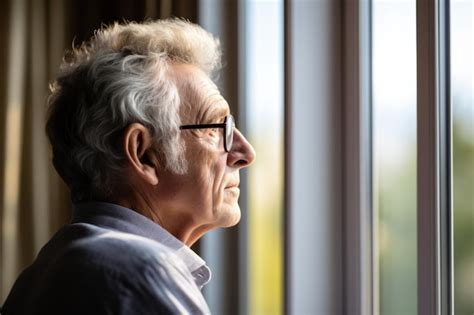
(34, 202)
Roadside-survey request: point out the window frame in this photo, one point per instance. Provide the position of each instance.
(353, 239)
(434, 160)
(360, 263)
(314, 236)
(434, 169)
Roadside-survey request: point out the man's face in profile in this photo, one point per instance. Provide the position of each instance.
(207, 194)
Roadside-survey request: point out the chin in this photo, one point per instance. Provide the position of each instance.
(230, 216)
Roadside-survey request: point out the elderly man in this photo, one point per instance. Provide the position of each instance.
(149, 150)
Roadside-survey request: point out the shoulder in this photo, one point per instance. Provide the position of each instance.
(118, 250)
(124, 256)
(143, 272)
(90, 270)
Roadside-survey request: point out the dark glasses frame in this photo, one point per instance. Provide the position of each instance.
(229, 122)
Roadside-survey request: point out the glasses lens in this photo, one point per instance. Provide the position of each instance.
(229, 132)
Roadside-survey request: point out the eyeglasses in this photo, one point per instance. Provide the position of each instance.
(228, 127)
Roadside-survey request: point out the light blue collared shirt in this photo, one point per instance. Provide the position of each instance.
(111, 260)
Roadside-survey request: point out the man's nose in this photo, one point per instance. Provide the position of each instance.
(242, 154)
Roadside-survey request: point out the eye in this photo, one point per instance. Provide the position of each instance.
(213, 131)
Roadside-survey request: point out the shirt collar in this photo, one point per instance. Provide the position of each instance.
(122, 219)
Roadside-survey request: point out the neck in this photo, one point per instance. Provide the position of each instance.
(181, 228)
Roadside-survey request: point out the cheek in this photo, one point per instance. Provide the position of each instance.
(219, 191)
(207, 165)
(205, 173)
(212, 175)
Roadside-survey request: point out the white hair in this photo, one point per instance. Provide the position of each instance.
(122, 76)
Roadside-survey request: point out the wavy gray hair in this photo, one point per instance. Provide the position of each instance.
(119, 77)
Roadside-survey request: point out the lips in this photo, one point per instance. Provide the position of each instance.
(236, 185)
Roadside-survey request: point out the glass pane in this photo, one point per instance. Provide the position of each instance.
(462, 89)
(264, 87)
(394, 155)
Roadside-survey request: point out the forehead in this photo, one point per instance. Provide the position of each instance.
(201, 99)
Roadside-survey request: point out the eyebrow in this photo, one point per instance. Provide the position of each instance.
(215, 111)
(221, 112)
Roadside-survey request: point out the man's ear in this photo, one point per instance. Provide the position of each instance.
(137, 145)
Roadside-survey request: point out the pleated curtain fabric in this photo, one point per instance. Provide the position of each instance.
(34, 202)
(33, 199)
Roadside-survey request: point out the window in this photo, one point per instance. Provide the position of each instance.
(411, 167)
(394, 160)
(462, 99)
(346, 164)
(264, 101)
